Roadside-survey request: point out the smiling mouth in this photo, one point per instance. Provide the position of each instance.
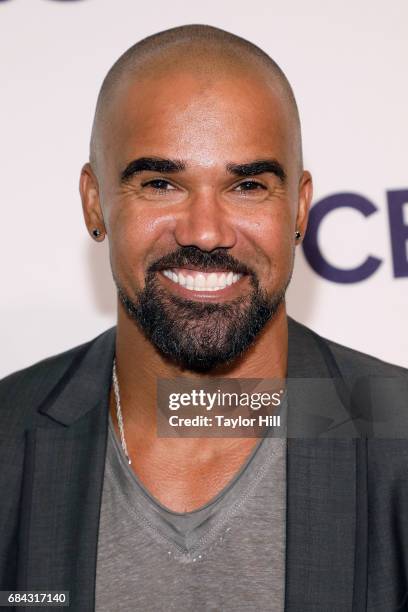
(197, 280)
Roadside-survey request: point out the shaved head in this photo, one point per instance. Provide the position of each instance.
(196, 177)
(206, 52)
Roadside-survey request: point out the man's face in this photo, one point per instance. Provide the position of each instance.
(200, 189)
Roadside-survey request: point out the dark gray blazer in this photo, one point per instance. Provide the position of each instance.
(347, 501)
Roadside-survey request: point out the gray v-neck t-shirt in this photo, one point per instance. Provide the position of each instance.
(228, 555)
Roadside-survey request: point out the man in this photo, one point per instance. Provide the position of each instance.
(196, 179)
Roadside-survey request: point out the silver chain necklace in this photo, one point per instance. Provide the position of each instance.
(119, 410)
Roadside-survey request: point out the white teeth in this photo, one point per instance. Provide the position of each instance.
(190, 282)
(203, 281)
(199, 281)
(211, 282)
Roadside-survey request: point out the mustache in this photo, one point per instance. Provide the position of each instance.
(193, 256)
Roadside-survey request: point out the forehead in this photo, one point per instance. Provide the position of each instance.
(199, 116)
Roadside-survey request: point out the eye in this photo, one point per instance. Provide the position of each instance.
(249, 186)
(159, 185)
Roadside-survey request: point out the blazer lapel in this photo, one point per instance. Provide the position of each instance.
(63, 477)
(321, 482)
(64, 469)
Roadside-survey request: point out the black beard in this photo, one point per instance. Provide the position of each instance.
(195, 335)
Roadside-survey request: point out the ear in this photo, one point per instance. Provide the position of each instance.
(305, 200)
(91, 206)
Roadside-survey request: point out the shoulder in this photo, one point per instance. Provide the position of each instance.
(24, 391)
(353, 363)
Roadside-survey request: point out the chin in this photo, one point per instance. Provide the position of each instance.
(200, 336)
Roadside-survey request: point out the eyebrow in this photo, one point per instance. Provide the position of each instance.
(165, 166)
(258, 167)
(152, 164)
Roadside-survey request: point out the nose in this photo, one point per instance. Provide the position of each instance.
(205, 223)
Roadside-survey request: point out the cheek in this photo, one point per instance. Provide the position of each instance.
(134, 237)
(270, 237)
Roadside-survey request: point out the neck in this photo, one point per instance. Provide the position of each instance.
(140, 365)
(185, 472)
